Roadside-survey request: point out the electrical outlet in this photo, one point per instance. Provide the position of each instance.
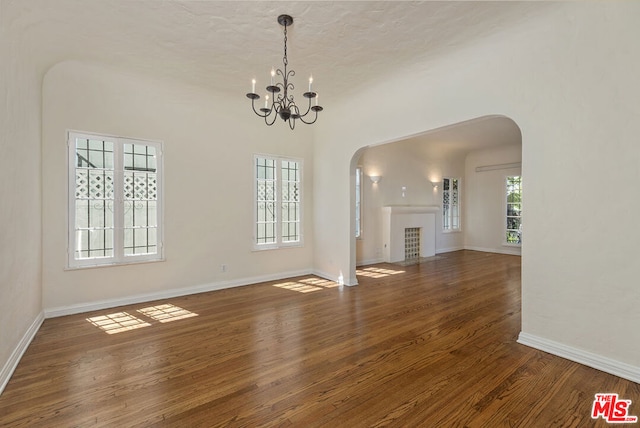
(223, 268)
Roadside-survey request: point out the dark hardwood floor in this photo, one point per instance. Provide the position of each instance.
(429, 345)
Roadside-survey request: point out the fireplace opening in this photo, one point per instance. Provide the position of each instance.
(411, 243)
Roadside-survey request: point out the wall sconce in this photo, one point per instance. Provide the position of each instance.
(375, 178)
(435, 185)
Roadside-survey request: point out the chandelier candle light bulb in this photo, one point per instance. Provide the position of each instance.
(283, 104)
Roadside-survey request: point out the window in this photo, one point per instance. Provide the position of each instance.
(358, 202)
(514, 210)
(450, 204)
(115, 200)
(278, 202)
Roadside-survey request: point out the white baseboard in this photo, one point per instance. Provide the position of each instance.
(339, 279)
(595, 361)
(513, 251)
(369, 262)
(167, 294)
(18, 352)
(448, 250)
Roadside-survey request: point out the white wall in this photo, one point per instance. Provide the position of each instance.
(413, 164)
(20, 205)
(484, 199)
(209, 142)
(570, 81)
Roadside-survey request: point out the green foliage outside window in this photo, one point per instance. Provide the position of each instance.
(514, 210)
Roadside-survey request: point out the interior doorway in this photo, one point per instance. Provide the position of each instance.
(413, 172)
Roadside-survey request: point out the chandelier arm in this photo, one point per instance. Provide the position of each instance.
(272, 114)
(309, 123)
(308, 109)
(266, 118)
(282, 102)
(266, 114)
(253, 106)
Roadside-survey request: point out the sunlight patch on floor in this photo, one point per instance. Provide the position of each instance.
(307, 285)
(117, 323)
(320, 282)
(166, 313)
(373, 272)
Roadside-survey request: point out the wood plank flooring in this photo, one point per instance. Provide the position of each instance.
(429, 345)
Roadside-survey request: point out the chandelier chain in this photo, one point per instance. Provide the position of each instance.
(285, 60)
(282, 104)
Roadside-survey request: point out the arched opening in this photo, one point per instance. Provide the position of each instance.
(479, 154)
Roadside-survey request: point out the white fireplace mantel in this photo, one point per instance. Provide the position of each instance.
(410, 209)
(396, 218)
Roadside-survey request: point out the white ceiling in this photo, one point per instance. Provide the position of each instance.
(224, 44)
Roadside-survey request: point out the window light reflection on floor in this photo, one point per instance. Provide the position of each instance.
(166, 313)
(374, 272)
(307, 285)
(117, 323)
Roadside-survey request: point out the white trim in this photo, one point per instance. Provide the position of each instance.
(508, 244)
(167, 294)
(369, 262)
(359, 198)
(449, 250)
(18, 352)
(118, 258)
(607, 365)
(505, 210)
(451, 229)
(485, 168)
(509, 251)
(410, 209)
(340, 279)
(279, 243)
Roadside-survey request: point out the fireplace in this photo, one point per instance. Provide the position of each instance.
(409, 232)
(412, 243)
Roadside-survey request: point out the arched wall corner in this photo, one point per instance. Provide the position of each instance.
(355, 158)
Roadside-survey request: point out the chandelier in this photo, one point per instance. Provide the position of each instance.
(282, 104)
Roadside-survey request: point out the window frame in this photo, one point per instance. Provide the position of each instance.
(119, 257)
(459, 205)
(359, 190)
(505, 212)
(279, 243)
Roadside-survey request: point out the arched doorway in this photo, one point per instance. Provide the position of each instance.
(479, 153)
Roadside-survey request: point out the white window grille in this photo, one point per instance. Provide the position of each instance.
(450, 204)
(115, 201)
(278, 202)
(513, 235)
(358, 202)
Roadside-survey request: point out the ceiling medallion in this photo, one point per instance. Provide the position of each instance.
(282, 104)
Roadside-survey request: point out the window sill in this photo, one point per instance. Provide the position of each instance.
(276, 247)
(104, 265)
(508, 244)
(452, 231)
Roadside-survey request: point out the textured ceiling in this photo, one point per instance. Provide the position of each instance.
(222, 45)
